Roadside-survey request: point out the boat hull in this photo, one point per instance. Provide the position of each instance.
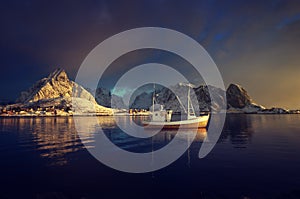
(199, 122)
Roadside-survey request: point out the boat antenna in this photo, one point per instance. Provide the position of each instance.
(153, 98)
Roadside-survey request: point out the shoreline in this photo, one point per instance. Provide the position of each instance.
(125, 115)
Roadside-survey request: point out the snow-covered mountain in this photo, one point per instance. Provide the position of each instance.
(238, 100)
(58, 93)
(167, 98)
(104, 97)
(57, 90)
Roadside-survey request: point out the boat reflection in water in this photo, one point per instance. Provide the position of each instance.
(126, 141)
(56, 139)
(257, 153)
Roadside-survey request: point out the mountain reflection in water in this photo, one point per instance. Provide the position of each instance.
(54, 137)
(257, 156)
(238, 129)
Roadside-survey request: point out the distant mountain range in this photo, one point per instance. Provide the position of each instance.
(55, 92)
(238, 100)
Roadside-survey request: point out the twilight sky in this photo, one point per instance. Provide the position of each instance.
(253, 43)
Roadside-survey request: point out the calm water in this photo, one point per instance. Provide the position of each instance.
(257, 156)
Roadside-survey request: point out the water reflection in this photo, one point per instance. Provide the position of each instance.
(56, 137)
(128, 142)
(238, 130)
(52, 137)
(270, 158)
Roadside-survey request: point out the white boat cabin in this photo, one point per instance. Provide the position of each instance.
(159, 114)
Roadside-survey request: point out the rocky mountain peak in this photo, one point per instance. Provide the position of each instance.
(237, 96)
(57, 84)
(238, 100)
(57, 90)
(59, 75)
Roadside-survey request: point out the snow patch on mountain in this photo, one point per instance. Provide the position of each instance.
(57, 90)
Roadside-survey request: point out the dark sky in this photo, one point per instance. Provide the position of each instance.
(254, 43)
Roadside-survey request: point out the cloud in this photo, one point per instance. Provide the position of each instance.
(121, 91)
(244, 38)
(288, 20)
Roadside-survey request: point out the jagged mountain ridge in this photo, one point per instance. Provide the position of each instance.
(56, 85)
(167, 98)
(57, 90)
(104, 97)
(237, 96)
(238, 100)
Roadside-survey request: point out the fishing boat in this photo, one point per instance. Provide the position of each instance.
(161, 118)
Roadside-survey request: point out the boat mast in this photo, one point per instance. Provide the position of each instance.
(153, 98)
(188, 102)
(190, 111)
(181, 104)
